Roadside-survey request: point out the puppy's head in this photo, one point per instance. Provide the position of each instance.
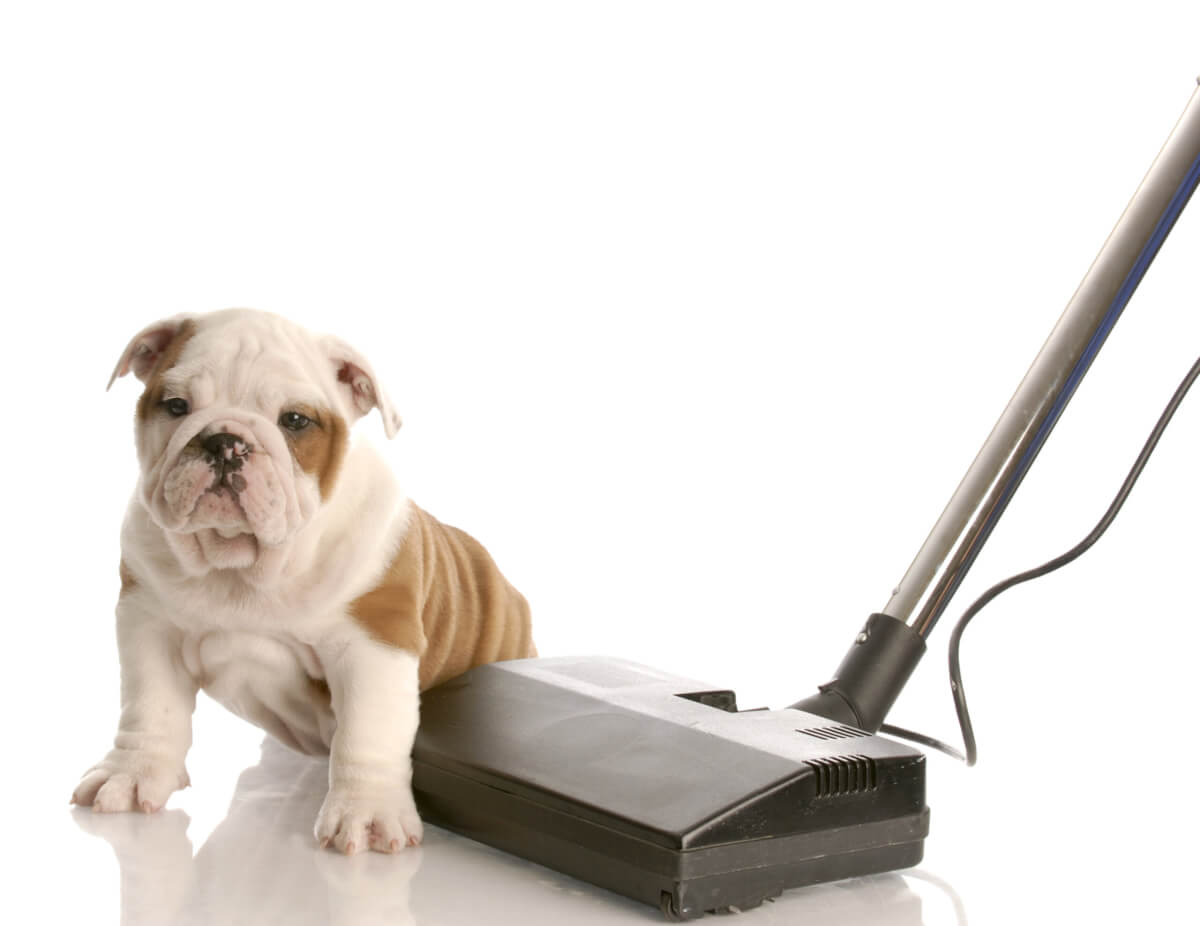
(241, 431)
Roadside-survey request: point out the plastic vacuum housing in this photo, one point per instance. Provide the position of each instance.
(658, 788)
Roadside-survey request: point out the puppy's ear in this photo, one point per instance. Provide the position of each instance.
(147, 348)
(359, 384)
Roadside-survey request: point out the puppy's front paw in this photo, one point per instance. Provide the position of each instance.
(383, 820)
(130, 780)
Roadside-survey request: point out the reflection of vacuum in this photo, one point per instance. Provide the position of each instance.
(658, 788)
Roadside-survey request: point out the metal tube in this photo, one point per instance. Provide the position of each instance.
(1010, 449)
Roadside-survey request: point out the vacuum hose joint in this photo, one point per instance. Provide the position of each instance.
(871, 676)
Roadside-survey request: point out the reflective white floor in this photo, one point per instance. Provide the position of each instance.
(259, 865)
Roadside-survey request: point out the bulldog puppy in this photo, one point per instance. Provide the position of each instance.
(270, 562)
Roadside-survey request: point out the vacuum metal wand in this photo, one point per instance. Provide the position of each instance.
(1010, 450)
(887, 650)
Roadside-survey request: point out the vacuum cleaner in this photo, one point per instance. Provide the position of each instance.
(659, 788)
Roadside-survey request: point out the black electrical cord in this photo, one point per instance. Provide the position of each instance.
(956, 683)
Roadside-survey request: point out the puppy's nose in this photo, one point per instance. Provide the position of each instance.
(226, 446)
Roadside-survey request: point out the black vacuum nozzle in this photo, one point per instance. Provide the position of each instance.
(657, 787)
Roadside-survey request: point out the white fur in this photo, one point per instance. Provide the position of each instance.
(265, 637)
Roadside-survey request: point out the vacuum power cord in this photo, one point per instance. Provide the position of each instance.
(956, 683)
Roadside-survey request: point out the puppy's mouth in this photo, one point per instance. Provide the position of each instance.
(202, 494)
(218, 521)
(219, 507)
(219, 510)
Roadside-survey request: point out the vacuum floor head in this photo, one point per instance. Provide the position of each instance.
(658, 788)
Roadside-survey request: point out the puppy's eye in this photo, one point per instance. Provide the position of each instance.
(294, 421)
(176, 408)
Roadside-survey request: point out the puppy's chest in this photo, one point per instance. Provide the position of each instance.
(273, 680)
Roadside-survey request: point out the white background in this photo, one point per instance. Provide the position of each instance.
(695, 313)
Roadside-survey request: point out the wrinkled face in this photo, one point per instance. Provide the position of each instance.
(241, 431)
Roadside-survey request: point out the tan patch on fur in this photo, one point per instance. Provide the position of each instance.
(128, 581)
(320, 448)
(443, 598)
(153, 393)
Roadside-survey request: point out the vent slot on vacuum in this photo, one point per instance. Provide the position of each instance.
(841, 775)
(834, 733)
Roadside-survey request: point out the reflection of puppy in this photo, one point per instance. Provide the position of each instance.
(267, 562)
